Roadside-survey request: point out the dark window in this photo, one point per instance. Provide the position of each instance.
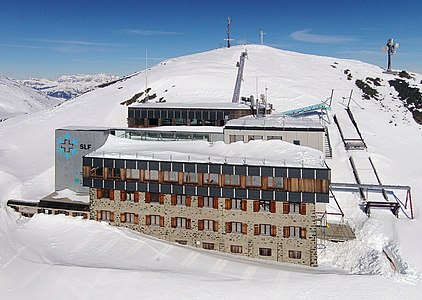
(265, 251)
(235, 249)
(208, 246)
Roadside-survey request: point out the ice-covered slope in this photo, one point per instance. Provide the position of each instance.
(17, 99)
(46, 253)
(69, 86)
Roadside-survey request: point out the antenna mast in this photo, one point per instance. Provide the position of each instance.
(391, 49)
(146, 69)
(261, 35)
(228, 39)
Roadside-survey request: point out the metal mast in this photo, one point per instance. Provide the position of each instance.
(391, 49)
(228, 39)
(240, 65)
(261, 35)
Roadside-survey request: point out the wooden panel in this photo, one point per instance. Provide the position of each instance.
(122, 196)
(200, 224)
(243, 181)
(112, 195)
(215, 226)
(228, 226)
(161, 200)
(122, 174)
(302, 209)
(273, 230)
(147, 220)
(244, 205)
(286, 232)
(99, 215)
(147, 197)
(228, 203)
(307, 185)
(161, 221)
(112, 217)
(256, 206)
(272, 207)
(136, 219)
(136, 197)
(245, 228)
(200, 201)
(257, 229)
(215, 202)
(99, 194)
(293, 184)
(188, 201)
(122, 218)
(86, 171)
(286, 207)
(264, 181)
(303, 233)
(188, 224)
(173, 200)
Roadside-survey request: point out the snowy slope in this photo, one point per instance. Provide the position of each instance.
(68, 86)
(41, 256)
(17, 99)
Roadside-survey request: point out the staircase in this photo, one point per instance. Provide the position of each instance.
(327, 145)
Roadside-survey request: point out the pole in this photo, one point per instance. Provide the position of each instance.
(350, 98)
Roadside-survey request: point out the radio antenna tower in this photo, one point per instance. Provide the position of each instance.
(391, 48)
(261, 34)
(228, 39)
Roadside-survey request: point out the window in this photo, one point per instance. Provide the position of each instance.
(129, 218)
(253, 181)
(130, 196)
(235, 249)
(236, 138)
(294, 208)
(113, 173)
(275, 182)
(151, 175)
(209, 202)
(264, 205)
(210, 178)
(274, 137)
(97, 172)
(182, 242)
(236, 227)
(154, 197)
(294, 254)
(296, 142)
(181, 222)
(181, 200)
(208, 246)
(265, 229)
(294, 232)
(132, 173)
(190, 177)
(265, 251)
(101, 193)
(236, 203)
(170, 176)
(105, 215)
(155, 220)
(231, 179)
(209, 225)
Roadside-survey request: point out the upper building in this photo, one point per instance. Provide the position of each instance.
(237, 198)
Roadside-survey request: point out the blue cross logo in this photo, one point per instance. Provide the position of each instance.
(67, 146)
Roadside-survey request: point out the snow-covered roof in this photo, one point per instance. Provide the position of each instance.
(252, 153)
(191, 105)
(274, 121)
(188, 129)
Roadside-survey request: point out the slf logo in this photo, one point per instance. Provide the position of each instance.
(67, 146)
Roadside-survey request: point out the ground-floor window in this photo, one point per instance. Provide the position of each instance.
(208, 246)
(105, 215)
(235, 249)
(182, 242)
(265, 251)
(294, 254)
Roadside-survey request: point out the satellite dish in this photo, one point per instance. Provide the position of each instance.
(396, 45)
(384, 49)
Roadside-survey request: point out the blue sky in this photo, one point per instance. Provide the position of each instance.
(50, 38)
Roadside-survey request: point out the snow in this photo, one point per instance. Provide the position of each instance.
(71, 195)
(71, 258)
(196, 105)
(274, 121)
(16, 99)
(253, 153)
(68, 86)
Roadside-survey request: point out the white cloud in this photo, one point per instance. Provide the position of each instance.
(305, 36)
(150, 32)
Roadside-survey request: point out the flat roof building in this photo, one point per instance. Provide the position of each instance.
(237, 198)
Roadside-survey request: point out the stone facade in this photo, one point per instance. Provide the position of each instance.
(217, 236)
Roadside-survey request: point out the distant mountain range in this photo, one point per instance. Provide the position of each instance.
(69, 86)
(17, 99)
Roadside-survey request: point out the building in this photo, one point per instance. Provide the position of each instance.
(232, 198)
(296, 130)
(196, 114)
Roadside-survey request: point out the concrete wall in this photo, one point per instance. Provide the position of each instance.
(312, 139)
(71, 145)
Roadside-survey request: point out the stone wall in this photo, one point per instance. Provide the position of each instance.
(250, 243)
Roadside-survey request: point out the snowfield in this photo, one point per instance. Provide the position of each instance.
(58, 257)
